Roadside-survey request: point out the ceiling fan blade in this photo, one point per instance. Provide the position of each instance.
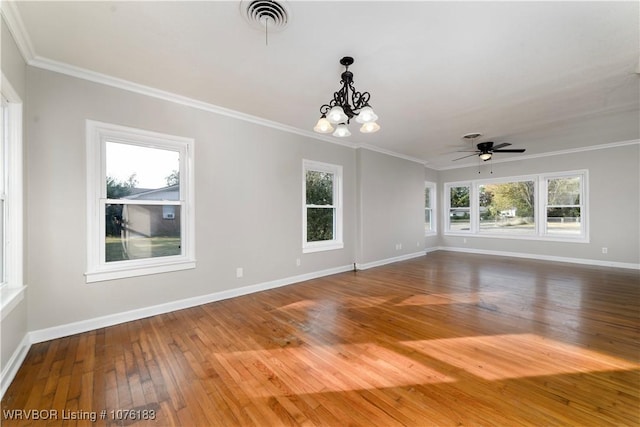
(464, 157)
(467, 151)
(499, 146)
(510, 150)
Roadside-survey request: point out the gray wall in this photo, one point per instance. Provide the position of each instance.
(614, 204)
(14, 325)
(391, 197)
(248, 184)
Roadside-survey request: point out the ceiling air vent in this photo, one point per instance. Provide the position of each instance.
(265, 14)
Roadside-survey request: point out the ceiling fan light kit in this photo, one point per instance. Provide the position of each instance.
(346, 104)
(485, 150)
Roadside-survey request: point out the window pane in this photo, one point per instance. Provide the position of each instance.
(459, 197)
(427, 220)
(563, 191)
(564, 221)
(507, 208)
(143, 173)
(319, 188)
(142, 231)
(427, 197)
(320, 224)
(459, 212)
(459, 219)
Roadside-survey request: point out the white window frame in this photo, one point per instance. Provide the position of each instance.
(540, 188)
(337, 241)
(98, 134)
(507, 180)
(447, 207)
(434, 208)
(12, 288)
(584, 203)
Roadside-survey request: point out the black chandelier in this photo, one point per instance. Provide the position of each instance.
(346, 104)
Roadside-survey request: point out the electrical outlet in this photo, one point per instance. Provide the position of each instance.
(239, 272)
(297, 262)
(605, 250)
(464, 240)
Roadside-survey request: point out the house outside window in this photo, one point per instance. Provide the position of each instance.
(140, 202)
(322, 207)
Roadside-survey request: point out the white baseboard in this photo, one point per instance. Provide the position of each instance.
(127, 316)
(583, 261)
(10, 370)
(367, 265)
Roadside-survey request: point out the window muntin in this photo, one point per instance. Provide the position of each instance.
(430, 208)
(543, 207)
(322, 210)
(140, 211)
(507, 207)
(459, 208)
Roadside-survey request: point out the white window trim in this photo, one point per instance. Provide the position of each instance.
(99, 270)
(584, 205)
(447, 207)
(12, 291)
(337, 242)
(540, 181)
(434, 208)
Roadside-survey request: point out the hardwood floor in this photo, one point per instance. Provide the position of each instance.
(445, 339)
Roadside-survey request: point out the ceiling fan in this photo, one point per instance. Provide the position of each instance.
(486, 149)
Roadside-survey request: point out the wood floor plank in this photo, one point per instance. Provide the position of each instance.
(446, 339)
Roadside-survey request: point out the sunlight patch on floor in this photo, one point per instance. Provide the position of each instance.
(450, 298)
(343, 367)
(498, 357)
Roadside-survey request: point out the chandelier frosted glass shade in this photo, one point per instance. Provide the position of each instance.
(485, 156)
(370, 127)
(323, 126)
(366, 115)
(347, 104)
(342, 131)
(336, 115)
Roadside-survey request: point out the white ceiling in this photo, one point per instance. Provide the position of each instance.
(545, 76)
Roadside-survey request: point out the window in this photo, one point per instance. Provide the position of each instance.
(507, 207)
(11, 213)
(3, 188)
(429, 208)
(322, 207)
(544, 207)
(459, 208)
(564, 205)
(140, 197)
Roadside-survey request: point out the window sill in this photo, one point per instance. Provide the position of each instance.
(545, 238)
(10, 298)
(123, 273)
(321, 246)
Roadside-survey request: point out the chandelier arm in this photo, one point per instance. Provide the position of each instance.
(360, 99)
(325, 109)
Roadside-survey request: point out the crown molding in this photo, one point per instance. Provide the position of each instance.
(84, 74)
(16, 27)
(391, 153)
(549, 154)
